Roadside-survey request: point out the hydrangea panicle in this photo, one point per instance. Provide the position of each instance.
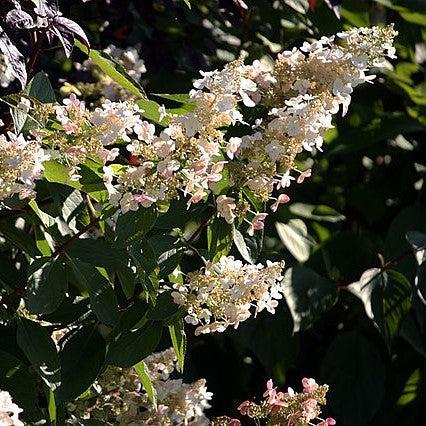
(227, 293)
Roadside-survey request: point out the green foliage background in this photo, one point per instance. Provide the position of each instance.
(364, 208)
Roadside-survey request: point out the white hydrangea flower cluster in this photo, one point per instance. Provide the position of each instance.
(21, 164)
(302, 90)
(129, 58)
(9, 411)
(223, 294)
(86, 133)
(281, 108)
(119, 398)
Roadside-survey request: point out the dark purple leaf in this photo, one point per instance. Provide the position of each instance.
(18, 19)
(334, 5)
(67, 25)
(66, 38)
(14, 58)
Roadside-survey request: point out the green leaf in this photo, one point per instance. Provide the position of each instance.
(97, 253)
(295, 238)
(15, 376)
(39, 348)
(143, 374)
(168, 251)
(45, 218)
(183, 98)
(165, 309)
(10, 278)
(241, 245)
(113, 69)
(150, 110)
(40, 89)
(353, 367)
(308, 296)
(130, 348)
(19, 238)
(418, 242)
(219, 238)
(147, 267)
(133, 226)
(82, 358)
(91, 181)
(320, 212)
(103, 300)
(386, 298)
(46, 286)
(178, 336)
(412, 218)
(187, 3)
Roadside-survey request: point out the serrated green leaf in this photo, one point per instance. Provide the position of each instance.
(386, 298)
(219, 238)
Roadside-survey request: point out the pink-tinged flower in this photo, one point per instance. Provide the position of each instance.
(73, 102)
(167, 167)
(307, 173)
(232, 147)
(282, 199)
(243, 407)
(329, 421)
(215, 173)
(257, 224)
(197, 197)
(234, 422)
(70, 128)
(275, 400)
(270, 390)
(144, 200)
(200, 166)
(309, 385)
(225, 207)
(310, 408)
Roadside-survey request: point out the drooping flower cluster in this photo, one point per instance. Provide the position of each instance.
(289, 408)
(118, 397)
(9, 411)
(228, 292)
(21, 164)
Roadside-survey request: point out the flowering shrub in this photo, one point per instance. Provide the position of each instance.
(134, 233)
